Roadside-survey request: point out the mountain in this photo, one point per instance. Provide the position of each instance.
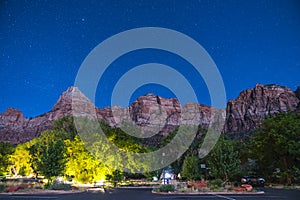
(245, 112)
(154, 114)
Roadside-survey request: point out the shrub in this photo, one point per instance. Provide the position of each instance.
(2, 187)
(56, 185)
(215, 184)
(166, 188)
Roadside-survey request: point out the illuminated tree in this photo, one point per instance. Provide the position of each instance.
(81, 165)
(20, 160)
(6, 149)
(48, 154)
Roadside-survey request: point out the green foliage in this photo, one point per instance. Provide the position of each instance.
(123, 140)
(191, 150)
(81, 165)
(177, 164)
(149, 175)
(114, 146)
(20, 160)
(57, 185)
(167, 139)
(166, 188)
(276, 144)
(215, 184)
(66, 124)
(48, 154)
(224, 160)
(2, 187)
(191, 168)
(6, 149)
(115, 177)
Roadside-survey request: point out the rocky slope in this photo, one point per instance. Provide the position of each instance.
(252, 105)
(154, 114)
(15, 128)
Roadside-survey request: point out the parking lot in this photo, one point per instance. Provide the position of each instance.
(145, 194)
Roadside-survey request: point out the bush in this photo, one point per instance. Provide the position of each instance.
(166, 188)
(215, 184)
(56, 185)
(2, 187)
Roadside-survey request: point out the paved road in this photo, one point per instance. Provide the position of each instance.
(145, 194)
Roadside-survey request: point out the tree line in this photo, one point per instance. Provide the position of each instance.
(272, 152)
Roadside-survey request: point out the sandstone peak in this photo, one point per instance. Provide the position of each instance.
(12, 111)
(152, 112)
(147, 96)
(12, 115)
(245, 112)
(71, 94)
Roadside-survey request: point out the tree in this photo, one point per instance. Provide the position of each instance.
(48, 154)
(117, 149)
(191, 168)
(192, 149)
(20, 160)
(224, 160)
(6, 149)
(67, 125)
(115, 177)
(81, 165)
(276, 144)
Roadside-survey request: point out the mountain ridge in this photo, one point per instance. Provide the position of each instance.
(154, 113)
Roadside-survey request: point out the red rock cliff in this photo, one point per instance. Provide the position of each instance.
(252, 105)
(155, 114)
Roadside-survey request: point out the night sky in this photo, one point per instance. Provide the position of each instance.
(43, 44)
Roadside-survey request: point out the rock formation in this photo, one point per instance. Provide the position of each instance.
(245, 112)
(154, 114)
(15, 128)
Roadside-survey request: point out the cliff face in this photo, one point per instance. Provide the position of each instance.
(251, 106)
(14, 128)
(154, 114)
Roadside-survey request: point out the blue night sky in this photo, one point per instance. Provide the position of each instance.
(43, 44)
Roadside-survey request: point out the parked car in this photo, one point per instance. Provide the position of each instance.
(253, 180)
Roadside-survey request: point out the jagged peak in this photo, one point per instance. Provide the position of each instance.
(151, 95)
(270, 86)
(258, 85)
(10, 111)
(71, 91)
(267, 87)
(243, 113)
(68, 95)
